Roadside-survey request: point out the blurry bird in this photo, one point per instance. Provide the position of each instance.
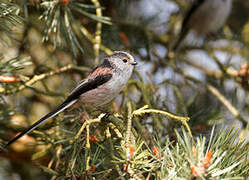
(100, 87)
(204, 17)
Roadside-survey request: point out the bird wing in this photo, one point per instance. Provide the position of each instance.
(88, 85)
(185, 22)
(191, 11)
(83, 87)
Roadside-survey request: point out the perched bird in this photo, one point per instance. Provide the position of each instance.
(101, 86)
(204, 17)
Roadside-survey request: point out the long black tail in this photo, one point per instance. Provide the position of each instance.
(60, 108)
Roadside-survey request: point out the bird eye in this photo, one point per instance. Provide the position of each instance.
(125, 60)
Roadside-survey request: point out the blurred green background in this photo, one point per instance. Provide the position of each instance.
(206, 80)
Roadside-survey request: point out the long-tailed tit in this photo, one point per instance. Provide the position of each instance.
(205, 16)
(101, 86)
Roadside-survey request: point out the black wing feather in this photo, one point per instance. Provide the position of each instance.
(192, 10)
(89, 85)
(185, 28)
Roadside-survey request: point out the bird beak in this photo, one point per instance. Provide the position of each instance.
(134, 63)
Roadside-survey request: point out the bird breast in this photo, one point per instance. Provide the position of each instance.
(106, 92)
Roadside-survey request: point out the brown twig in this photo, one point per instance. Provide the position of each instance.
(97, 38)
(35, 79)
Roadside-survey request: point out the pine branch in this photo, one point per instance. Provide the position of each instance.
(62, 25)
(35, 79)
(9, 19)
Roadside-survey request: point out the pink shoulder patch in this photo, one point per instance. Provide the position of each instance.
(100, 71)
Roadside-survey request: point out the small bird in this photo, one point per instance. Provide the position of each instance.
(101, 86)
(204, 17)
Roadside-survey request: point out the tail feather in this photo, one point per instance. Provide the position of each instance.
(53, 113)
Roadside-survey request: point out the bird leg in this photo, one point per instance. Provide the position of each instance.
(84, 116)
